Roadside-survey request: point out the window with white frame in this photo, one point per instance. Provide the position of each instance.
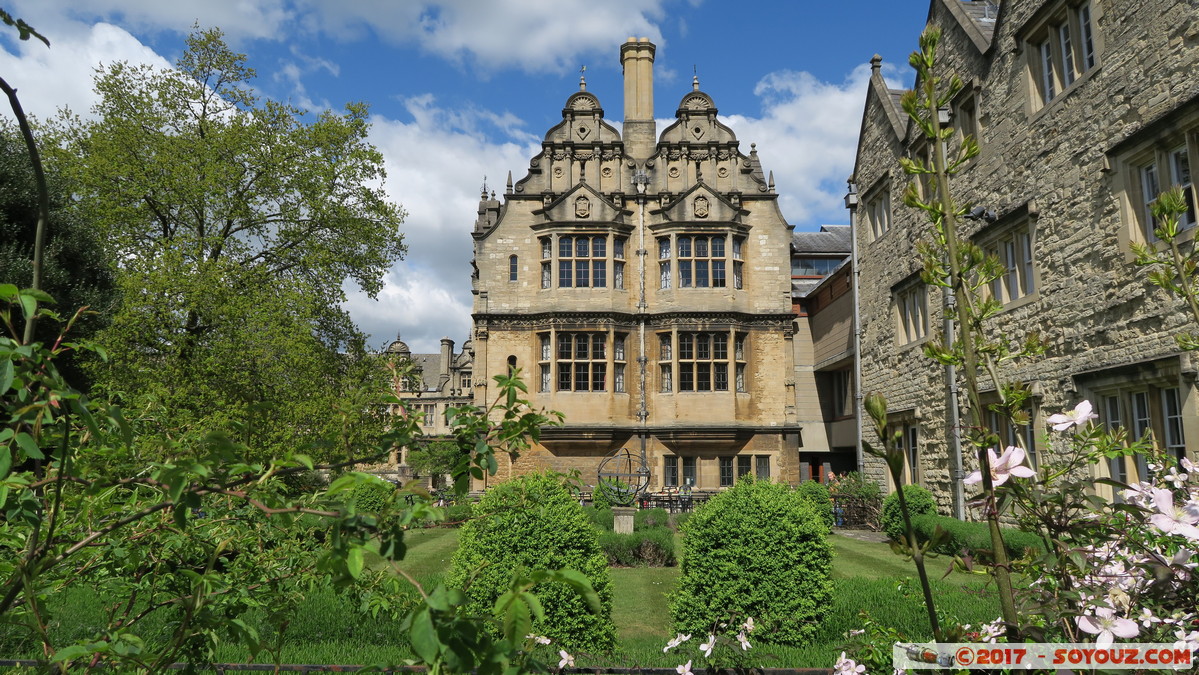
(911, 305)
(1145, 410)
(1062, 47)
(1163, 168)
(618, 262)
(1014, 247)
(699, 261)
(908, 432)
(547, 263)
(878, 213)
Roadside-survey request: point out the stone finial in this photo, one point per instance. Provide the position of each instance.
(694, 78)
(483, 190)
(770, 183)
(583, 78)
(753, 148)
(509, 188)
(876, 62)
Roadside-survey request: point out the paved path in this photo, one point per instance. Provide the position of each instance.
(863, 535)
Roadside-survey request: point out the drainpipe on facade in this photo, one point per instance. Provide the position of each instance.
(851, 203)
(953, 418)
(640, 181)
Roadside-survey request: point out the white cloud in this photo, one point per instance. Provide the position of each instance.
(533, 35)
(807, 135)
(61, 75)
(238, 18)
(435, 166)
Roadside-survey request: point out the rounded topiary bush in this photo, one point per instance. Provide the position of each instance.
(531, 523)
(920, 502)
(756, 550)
(817, 495)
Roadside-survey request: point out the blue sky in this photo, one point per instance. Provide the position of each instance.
(462, 89)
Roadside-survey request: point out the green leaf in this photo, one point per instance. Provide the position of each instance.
(354, 561)
(5, 465)
(6, 376)
(29, 446)
(425, 642)
(72, 652)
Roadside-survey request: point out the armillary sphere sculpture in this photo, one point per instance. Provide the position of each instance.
(623, 477)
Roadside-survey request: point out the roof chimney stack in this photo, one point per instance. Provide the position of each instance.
(640, 134)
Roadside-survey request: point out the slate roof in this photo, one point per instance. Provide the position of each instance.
(983, 12)
(830, 239)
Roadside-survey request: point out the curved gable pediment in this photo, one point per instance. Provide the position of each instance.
(700, 204)
(582, 204)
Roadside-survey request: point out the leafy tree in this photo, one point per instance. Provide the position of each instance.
(235, 222)
(435, 459)
(74, 269)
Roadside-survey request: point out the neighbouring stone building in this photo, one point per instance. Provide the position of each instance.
(1083, 111)
(436, 383)
(822, 301)
(639, 283)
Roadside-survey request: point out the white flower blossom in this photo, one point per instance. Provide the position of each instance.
(1173, 520)
(1010, 463)
(1178, 479)
(744, 641)
(706, 647)
(847, 666)
(567, 661)
(748, 625)
(678, 640)
(684, 669)
(539, 639)
(1081, 414)
(1107, 626)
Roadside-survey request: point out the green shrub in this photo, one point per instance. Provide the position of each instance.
(600, 516)
(531, 523)
(647, 547)
(371, 497)
(920, 503)
(679, 520)
(456, 514)
(817, 495)
(975, 538)
(855, 484)
(647, 518)
(756, 550)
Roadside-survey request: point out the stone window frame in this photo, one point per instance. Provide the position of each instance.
(681, 360)
(612, 359)
(1155, 402)
(966, 119)
(1014, 244)
(1063, 46)
(613, 249)
(908, 424)
(878, 213)
(1155, 147)
(910, 299)
(678, 262)
(513, 267)
(685, 467)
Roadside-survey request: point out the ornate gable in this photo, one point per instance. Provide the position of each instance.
(582, 204)
(701, 204)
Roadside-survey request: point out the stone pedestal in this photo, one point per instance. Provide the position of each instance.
(622, 519)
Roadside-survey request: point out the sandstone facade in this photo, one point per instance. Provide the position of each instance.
(640, 284)
(1083, 110)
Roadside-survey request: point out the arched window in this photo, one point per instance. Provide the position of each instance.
(512, 265)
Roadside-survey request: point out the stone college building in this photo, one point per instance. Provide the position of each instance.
(640, 282)
(1084, 112)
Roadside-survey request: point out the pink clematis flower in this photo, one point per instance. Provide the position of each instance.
(1173, 520)
(684, 669)
(678, 640)
(1081, 414)
(706, 647)
(1010, 463)
(567, 661)
(1107, 626)
(847, 666)
(744, 641)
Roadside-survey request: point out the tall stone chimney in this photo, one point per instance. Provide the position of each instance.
(447, 357)
(637, 60)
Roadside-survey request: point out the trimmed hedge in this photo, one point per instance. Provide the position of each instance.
(920, 503)
(648, 518)
(533, 522)
(600, 516)
(975, 537)
(756, 550)
(646, 547)
(817, 495)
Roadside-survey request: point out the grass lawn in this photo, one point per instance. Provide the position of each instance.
(330, 628)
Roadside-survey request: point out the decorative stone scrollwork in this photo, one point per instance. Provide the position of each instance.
(724, 154)
(673, 153)
(583, 156)
(559, 154)
(701, 207)
(606, 172)
(695, 103)
(700, 155)
(674, 172)
(723, 172)
(582, 207)
(609, 153)
(558, 172)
